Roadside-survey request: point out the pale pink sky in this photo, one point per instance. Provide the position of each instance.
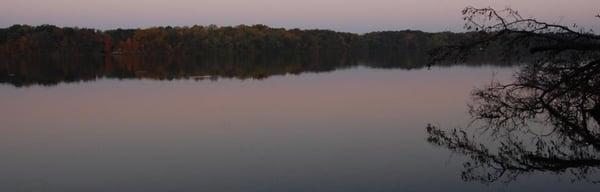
(342, 15)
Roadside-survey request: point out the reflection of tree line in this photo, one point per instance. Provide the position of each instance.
(241, 66)
(47, 54)
(547, 119)
(50, 70)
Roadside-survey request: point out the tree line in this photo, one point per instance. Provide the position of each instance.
(19, 40)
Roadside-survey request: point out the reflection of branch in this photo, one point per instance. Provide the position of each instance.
(512, 158)
(560, 87)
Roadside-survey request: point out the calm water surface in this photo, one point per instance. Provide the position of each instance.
(355, 129)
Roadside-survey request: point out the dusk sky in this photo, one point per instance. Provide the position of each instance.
(341, 15)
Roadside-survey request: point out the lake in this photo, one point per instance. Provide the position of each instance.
(352, 128)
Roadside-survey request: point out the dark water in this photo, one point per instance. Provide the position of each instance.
(351, 129)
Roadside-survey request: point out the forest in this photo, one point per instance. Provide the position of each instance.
(49, 55)
(19, 40)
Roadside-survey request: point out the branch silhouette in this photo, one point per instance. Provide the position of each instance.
(557, 91)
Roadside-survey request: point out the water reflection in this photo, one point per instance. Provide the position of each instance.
(311, 132)
(547, 120)
(357, 129)
(54, 69)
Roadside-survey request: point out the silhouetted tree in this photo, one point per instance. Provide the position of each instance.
(547, 120)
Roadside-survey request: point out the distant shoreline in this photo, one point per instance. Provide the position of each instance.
(24, 39)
